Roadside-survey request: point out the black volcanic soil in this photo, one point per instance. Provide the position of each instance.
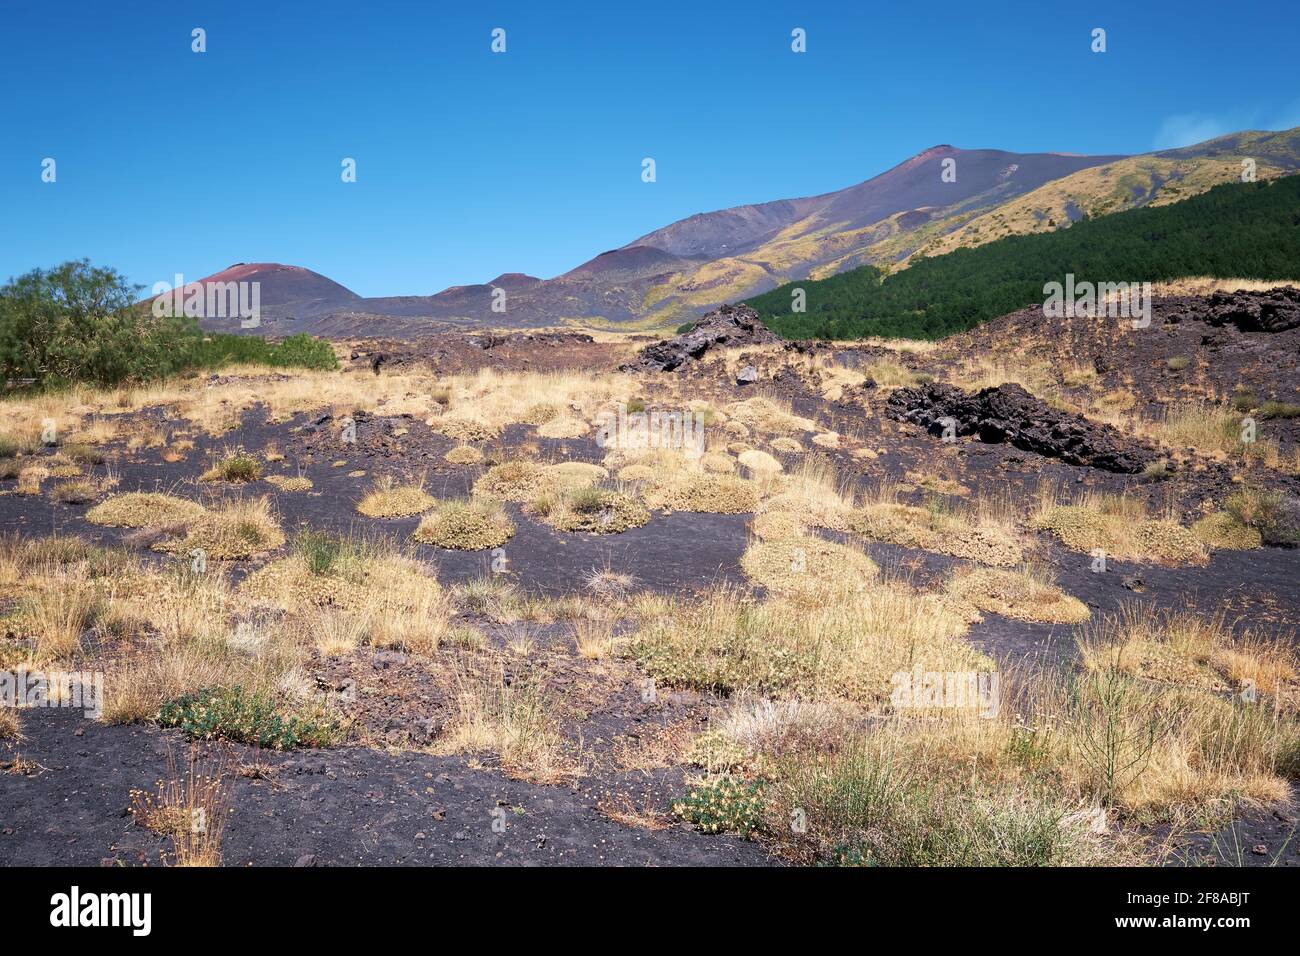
(349, 807)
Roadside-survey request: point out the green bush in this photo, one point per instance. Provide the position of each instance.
(725, 805)
(297, 351)
(79, 323)
(1271, 409)
(232, 713)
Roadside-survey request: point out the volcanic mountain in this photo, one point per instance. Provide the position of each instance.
(939, 200)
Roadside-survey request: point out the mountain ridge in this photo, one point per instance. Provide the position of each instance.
(916, 208)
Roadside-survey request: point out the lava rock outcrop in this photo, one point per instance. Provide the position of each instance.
(726, 326)
(1009, 414)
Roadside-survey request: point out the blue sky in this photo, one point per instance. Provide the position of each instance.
(471, 163)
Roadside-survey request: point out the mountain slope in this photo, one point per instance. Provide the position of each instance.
(1244, 230)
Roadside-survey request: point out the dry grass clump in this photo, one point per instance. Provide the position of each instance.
(78, 491)
(888, 373)
(30, 478)
(813, 493)
(592, 509)
(235, 531)
(512, 718)
(787, 445)
(145, 509)
(466, 428)
(57, 614)
(768, 415)
(376, 593)
(466, 525)
(981, 533)
(237, 466)
(760, 461)
(463, 455)
(10, 729)
(524, 481)
(290, 483)
(1210, 429)
(698, 491)
(1221, 531)
(849, 647)
(1120, 527)
(634, 473)
(563, 426)
(1022, 595)
(1178, 647)
(517, 481)
(391, 499)
(805, 564)
(190, 809)
(717, 462)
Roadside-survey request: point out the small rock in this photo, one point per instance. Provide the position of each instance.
(1133, 582)
(1259, 849)
(748, 375)
(307, 859)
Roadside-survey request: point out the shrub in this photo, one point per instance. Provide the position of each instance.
(724, 805)
(78, 323)
(1272, 409)
(232, 713)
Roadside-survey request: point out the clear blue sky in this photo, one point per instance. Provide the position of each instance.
(471, 164)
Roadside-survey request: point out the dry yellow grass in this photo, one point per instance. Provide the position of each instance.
(1023, 595)
(1117, 527)
(512, 719)
(140, 509)
(236, 530)
(389, 499)
(470, 525)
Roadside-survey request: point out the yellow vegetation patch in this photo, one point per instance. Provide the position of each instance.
(472, 525)
(760, 461)
(390, 499)
(144, 509)
(290, 482)
(848, 648)
(563, 427)
(594, 510)
(715, 494)
(237, 530)
(1017, 594)
(807, 565)
(1118, 528)
(1223, 532)
(465, 428)
(464, 455)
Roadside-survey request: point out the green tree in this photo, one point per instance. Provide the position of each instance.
(80, 323)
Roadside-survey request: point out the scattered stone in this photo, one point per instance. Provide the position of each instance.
(748, 375)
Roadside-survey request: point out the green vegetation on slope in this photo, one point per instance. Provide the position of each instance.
(80, 323)
(1245, 230)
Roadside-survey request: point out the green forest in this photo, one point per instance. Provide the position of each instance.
(1245, 230)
